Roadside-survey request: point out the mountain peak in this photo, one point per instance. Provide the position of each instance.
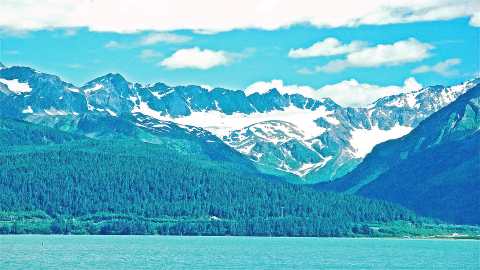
(270, 92)
(329, 102)
(111, 77)
(2, 65)
(113, 81)
(160, 85)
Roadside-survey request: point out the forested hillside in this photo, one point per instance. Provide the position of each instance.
(54, 182)
(127, 186)
(17, 132)
(439, 182)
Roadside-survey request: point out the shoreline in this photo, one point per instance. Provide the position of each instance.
(472, 238)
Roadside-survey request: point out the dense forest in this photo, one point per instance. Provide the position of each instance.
(64, 184)
(133, 187)
(450, 193)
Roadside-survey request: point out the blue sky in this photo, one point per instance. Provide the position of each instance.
(442, 51)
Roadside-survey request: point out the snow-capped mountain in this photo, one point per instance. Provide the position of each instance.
(28, 91)
(315, 139)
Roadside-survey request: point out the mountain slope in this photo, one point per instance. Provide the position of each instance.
(433, 170)
(17, 132)
(187, 139)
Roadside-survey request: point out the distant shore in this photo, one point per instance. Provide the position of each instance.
(439, 237)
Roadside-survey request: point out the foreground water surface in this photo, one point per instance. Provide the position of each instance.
(173, 252)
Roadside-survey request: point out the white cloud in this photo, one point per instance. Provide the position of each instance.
(355, 94)
(327, 47)
(404, 51)
(400, 52)
(149, 39)
(411, 84)
(475, 20)
(149, 54)
(444, 68)
(263, 87)
(346, 93)
(196, 58)
(112, 44)
(332, 66)
(205, 32)
(219, 15)
(155, 38)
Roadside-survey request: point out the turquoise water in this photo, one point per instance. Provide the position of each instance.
(170, 252)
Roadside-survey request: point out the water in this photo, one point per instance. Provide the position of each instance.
(162, 252)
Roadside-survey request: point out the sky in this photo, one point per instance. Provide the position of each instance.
(351, 51)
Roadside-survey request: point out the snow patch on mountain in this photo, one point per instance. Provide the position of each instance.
(208, 87)
(112, 113)
(274, 131)
(222, 124)
(363, 140)
(73, 89)
(407, 100)
(451, 93)
(145, 109)
(308, 167)
(16, 87)
(161, 95)
(90, 90)
(27, 110)
(53, 111)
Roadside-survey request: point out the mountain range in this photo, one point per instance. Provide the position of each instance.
(433, 170)
(303, 139)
